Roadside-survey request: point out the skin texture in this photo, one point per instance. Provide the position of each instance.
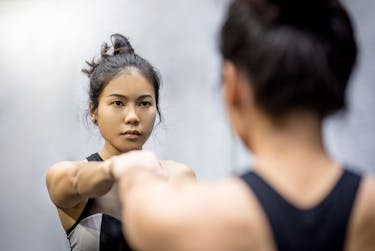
(126, 104)
(124, 107)
(225, 215)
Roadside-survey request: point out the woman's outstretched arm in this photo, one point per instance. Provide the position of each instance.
(70, 183)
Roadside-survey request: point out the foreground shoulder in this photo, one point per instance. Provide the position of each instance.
(233, 196)
(362, 222)
(222, 203)
(364, 207)
(368, 196)
(177, 169)
(191, 214)
(174, 164)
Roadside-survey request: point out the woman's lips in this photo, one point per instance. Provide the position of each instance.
(131, 134)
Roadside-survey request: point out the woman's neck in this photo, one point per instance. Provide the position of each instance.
(294, 143)
(292, 158)
(109, 150)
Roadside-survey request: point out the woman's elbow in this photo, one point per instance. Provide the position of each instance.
(60, 181)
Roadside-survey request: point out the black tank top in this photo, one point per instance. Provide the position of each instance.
(320, 228)
(96, 232)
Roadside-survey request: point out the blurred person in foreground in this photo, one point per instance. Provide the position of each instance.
(286, 67)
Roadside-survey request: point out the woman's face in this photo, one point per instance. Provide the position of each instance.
(126, 112)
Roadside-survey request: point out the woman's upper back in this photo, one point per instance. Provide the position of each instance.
(343, 220)
(321, 227)
(231, 217)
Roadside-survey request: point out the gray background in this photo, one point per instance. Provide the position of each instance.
(43, 46)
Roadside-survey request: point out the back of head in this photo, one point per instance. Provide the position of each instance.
(296, 54)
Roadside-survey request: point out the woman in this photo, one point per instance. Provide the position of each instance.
(286, 65)
(124, 98)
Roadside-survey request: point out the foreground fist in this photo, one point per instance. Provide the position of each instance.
(123, 163)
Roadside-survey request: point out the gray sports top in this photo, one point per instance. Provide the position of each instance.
(96, 231)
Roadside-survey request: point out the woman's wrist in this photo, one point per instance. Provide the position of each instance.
(108, 168)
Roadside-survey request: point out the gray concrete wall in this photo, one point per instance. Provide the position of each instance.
(43, 46)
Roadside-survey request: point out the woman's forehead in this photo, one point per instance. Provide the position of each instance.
(129, 83)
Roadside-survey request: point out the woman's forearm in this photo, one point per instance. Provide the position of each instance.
(70, 183)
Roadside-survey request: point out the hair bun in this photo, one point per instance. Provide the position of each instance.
(305, 13)
(303, 7)
(121, 45)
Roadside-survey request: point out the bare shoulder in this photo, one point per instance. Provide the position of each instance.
(234, 203)
(177, 169)
(57, 170)
(362, 222)
(368, 191)
(59, 180)
(224, 206)
(366, 198)
(56, 187)
(193, 215)
(174, 164)
(228, 200)
(225, 194)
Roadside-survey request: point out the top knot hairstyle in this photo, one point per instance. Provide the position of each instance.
(296, 54)
(114, 60)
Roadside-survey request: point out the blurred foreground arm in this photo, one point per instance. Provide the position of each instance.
(162, 215)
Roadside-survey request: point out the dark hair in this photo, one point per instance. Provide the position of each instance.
(110, 65)
(296, 54)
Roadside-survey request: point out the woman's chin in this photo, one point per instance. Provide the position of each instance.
(129, 148)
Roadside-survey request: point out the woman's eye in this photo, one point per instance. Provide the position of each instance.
(145, 103)
(117, 103)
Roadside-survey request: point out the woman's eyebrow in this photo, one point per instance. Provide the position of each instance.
(125, 97)
(145, 96)
(117, 95)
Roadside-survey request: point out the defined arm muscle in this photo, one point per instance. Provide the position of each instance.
(70, 183)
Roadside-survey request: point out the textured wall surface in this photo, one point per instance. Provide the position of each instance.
(43, 46)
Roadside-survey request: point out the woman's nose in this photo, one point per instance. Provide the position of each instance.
(131, 116)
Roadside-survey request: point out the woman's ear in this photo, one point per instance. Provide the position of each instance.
(93, 113)
(238, 93)
(230, 79)
(238, 97)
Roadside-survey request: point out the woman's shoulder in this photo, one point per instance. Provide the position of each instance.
(367, 195)
(365, 199)
(177, 169)
(205, 203)
(362, 222)
(175, 164)
(71, 163)
(62, 166)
